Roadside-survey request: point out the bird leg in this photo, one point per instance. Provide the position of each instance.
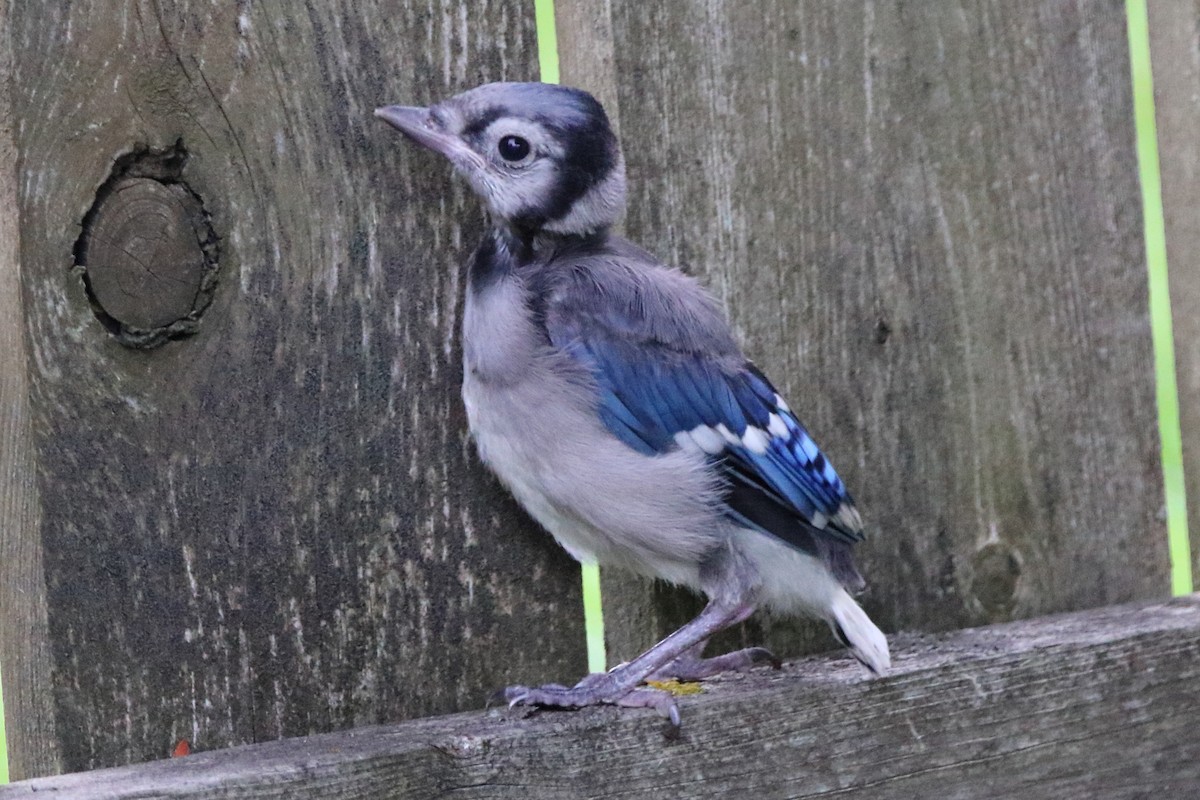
(622, 685)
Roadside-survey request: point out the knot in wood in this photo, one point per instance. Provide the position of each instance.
(148, 254)
(997, 572)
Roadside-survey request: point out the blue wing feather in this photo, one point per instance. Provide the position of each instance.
(649, 393)
(665, 364)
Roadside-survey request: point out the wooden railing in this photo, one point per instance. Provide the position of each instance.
(1091, 704)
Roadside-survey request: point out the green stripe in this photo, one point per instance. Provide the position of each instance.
(593, 613)
(593, 619)
(3, 739)
(1160, 300)
(547, 39)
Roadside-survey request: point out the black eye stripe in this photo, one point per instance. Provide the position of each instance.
(480, 123)
(513, 148)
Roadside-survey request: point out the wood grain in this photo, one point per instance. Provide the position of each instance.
(277, 526)
(1175, 62)
(1091, 704)
(24, 637)
(924, 220)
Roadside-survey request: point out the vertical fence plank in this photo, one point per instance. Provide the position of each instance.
(1175, 60)
(925, 223)
(24, 638)
(276, 526)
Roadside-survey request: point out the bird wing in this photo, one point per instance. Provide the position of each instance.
(669, 377)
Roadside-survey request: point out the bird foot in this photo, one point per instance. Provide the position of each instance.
(691, 667)
(600, 688)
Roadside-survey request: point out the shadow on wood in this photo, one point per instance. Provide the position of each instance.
(1078, 705)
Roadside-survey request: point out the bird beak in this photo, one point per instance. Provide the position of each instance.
(420, 126)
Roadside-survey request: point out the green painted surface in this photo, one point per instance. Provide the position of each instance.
(3, 739)
(593, 619)
(547, 37)
(1160, 301)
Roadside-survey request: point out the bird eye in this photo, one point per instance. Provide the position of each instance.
(513, 148)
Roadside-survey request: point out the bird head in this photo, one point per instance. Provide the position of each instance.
(542, 158)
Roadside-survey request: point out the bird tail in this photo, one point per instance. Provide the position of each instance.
(854, 628)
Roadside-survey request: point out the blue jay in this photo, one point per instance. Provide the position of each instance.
(606, 391)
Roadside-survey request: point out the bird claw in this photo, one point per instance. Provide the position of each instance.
(596, 689)
(604, 688)
(660, 701)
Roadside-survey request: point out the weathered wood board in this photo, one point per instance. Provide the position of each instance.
(1093, 704)
(24, 643)
(925, 221)
(1175, 61)
(276, 526)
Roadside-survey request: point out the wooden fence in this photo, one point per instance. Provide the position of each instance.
(924, 219)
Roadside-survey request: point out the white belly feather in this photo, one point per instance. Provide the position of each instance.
(601, 500)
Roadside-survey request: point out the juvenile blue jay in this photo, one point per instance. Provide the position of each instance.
(608, 394)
